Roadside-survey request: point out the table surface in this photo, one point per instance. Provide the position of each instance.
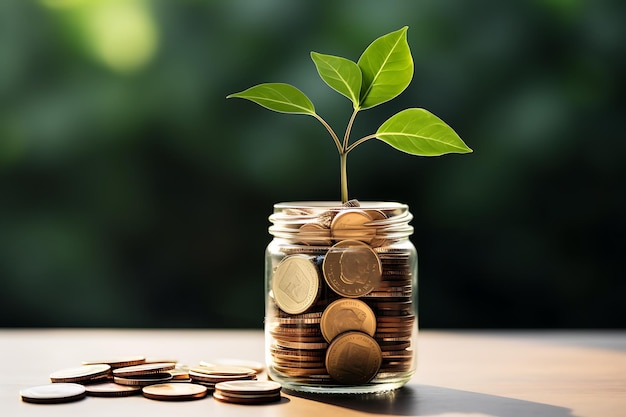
(460, 373)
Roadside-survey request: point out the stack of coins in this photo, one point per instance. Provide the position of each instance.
(144, 374)
(208, 376)
(392, 304)
(158, 380)
(340, 310)
(247, 392)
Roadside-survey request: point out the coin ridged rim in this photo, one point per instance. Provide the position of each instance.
(246, 401)
(214, 379)
(301, 345)
(177, 391)
(143, 380)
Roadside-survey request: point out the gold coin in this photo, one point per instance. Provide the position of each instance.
(53, 393)
(347, 314)
(144, 369)
(295, 284)
(81, 373)
(352, 269)
(175, 392)
(353, 358)
(111, 389)
(352, 225)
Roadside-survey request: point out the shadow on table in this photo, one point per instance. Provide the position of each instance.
(428, 400)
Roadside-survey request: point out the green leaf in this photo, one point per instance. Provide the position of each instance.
(283, 98)
(341, 74)
(387, 68)
(419, 132)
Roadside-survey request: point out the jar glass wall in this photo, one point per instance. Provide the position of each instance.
(341, 297)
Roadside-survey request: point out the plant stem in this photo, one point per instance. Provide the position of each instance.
(343, 155)
(344, 176)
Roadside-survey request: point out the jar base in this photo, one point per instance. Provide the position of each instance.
(371, 388)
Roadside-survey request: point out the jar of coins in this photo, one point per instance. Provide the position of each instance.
(341, 287)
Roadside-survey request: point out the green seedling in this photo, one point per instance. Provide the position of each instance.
(383, 72)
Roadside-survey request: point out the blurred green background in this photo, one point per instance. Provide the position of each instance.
(132, 193)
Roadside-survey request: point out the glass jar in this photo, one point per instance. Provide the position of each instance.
(341, 297)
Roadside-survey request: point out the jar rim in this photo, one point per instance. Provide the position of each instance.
(391, 205)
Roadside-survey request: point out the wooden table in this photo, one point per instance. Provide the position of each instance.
(460, 373)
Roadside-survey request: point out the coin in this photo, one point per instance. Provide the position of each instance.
(351, 268)
(377, 217)
(301, 345)
(299, 371)
(179, 374)
(81, 373)
(347, 314)
(224, 370)
(298, 364)
(111, 389)
(175, 392)
(351, 225)
(118, 362)
(143, 380)
(211, 375)
(234, 399)
(53, 393)
(353, 358)
(314, 234)
(248, 392)
(295, 284)
(249, 387)
(256, 366)
(144, 369)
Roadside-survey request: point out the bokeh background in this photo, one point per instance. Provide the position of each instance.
(133, 194)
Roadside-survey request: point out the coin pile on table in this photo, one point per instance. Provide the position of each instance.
(340, 310)
(165, 381)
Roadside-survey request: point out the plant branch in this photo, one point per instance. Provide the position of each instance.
(360, 141)
(330, 130)
(346, 136)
